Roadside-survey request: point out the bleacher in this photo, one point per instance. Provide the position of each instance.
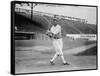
(40, 23)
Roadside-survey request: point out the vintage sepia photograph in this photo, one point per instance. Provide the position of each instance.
(51, 37)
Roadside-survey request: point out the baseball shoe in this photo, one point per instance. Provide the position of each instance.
(66, 63)
(52, 63)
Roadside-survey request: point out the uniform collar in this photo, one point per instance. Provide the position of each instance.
(55, 26)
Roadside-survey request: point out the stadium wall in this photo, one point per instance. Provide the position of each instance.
(83, 36)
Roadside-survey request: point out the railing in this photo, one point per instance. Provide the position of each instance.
(83, 36)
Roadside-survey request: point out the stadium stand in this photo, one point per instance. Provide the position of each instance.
(41, 22)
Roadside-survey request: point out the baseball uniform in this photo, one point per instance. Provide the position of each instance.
(57, 42)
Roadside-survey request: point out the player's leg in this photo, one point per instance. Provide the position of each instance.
(60, 44)
(62, 56)
(55, 55)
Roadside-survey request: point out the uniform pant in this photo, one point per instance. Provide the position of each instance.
(58, 46)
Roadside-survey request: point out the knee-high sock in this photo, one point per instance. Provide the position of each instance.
(54, 57)
(62, 57)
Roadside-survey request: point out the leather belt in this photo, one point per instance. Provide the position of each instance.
(57, 37)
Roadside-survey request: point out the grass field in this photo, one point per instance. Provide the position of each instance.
(33, 56)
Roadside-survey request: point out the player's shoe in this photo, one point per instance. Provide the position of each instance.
(52, 63)
(66, 63)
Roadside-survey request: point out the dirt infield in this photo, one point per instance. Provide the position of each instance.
(33, 56)
(41, 64)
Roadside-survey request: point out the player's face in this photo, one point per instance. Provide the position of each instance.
(55, 23)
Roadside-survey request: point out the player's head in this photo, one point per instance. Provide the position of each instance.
(55, 20)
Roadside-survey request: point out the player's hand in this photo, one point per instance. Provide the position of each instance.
(50, 34)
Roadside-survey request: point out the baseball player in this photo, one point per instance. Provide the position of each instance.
(55, 34)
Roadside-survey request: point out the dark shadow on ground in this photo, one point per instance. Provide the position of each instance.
(89, 52)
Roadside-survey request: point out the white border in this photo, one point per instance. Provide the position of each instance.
(5, 38)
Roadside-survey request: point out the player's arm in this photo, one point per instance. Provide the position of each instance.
(49, 34)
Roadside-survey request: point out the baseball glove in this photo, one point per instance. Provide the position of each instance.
(50, 34)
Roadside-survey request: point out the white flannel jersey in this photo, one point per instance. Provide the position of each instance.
(56, 30)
